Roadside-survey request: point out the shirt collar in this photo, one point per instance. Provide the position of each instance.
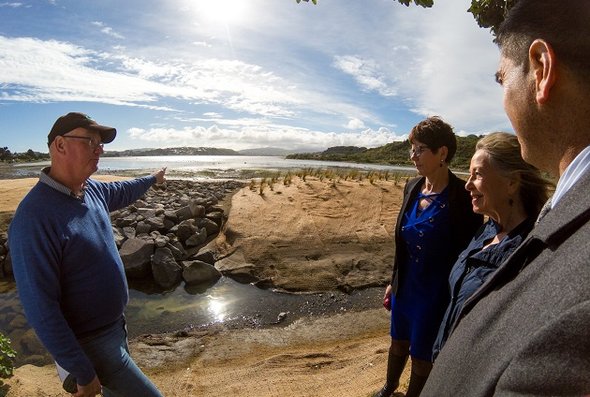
(49, 181)
(571, 175)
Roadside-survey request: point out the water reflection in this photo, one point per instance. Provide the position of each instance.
(217, 308)
(151, 310)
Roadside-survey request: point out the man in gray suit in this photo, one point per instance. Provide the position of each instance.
(526, 331)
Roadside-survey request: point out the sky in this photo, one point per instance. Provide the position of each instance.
(243, 74)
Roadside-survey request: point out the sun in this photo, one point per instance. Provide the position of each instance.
(227, 11)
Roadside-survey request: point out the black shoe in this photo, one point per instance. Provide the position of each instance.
(386, 391)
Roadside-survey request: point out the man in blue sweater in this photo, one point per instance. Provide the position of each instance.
(69, 274)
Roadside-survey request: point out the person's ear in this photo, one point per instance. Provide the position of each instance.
(543, 64)
(60, 144)
(444, 152)
(514, 183)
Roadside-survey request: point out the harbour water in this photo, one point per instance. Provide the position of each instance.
(208, 166)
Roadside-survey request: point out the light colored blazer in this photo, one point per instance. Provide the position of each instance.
(526, 331)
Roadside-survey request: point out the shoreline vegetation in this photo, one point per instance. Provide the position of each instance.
(328, 218)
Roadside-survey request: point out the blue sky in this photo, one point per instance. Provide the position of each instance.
(243, 74)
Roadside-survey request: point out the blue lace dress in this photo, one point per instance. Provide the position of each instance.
(422, 296)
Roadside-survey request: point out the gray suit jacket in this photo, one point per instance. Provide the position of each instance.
(526, 331)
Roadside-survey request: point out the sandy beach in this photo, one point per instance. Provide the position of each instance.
(341, 226)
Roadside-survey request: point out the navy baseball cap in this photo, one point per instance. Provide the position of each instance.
(74, 120)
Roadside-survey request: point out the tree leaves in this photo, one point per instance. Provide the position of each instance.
(490, 13)
(487, 13)
(423, 3)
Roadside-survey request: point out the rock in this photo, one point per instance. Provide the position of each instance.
(159, 240)
(7, 265)
(19, 321)
(211, 227)
(216, 216)
(171, 215)
(167, 273)
(129, 232)
(197, 239)
(196, 208)
(143, 228)
(30, 343)
(207, 255)
(168, 224)
(127, 221)
(184, 213)
(119, 236)
(197, 272)
(136, 254)
(183, 210)
(237, 268)
(186, 229)
(156, 222)
(147, 212)
(281, 316)
(177, 250)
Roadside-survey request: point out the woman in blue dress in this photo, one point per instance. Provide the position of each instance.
(434, 225)
(511, 193)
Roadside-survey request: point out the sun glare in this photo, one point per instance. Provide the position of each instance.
(227, 11)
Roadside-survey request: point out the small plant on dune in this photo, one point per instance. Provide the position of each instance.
(252, 184)
(7, 356)
(287, 179)
(262, 186)
(275, 178)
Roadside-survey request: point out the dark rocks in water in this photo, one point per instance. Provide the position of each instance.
(197, 272)
(166, 271)
(136, 254)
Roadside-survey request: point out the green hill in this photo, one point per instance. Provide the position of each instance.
(394, 153)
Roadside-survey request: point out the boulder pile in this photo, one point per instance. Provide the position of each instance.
(163, 235)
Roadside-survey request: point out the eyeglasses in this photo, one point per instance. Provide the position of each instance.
(418, 151)
(92, 144)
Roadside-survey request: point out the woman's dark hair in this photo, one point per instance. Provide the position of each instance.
(435, 133)
(504, 152)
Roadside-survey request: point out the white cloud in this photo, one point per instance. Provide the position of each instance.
(366, 72)
(254, 136)
(46, 71)
(355, 124)
(107, 30)
(202, 44)
(13, 5)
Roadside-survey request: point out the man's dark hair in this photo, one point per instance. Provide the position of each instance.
(435, 133)
(564, 24)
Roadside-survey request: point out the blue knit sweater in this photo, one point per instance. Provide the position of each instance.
(69, 274)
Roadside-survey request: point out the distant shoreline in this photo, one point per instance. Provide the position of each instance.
(206, 167)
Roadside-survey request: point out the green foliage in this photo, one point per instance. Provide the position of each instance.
(423, 3)
(490, 13)
(394, 153)
(7, 156)
(7, 355)
(487, 13)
